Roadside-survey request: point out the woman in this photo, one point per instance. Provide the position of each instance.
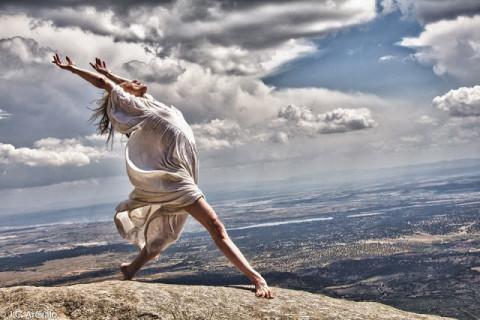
(162, 165)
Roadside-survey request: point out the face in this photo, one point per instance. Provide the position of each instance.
(134, 87)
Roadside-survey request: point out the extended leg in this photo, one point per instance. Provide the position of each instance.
(205, 214)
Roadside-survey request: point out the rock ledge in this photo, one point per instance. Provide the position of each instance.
(129, 300)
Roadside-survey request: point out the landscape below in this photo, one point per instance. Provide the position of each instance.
(411, 242)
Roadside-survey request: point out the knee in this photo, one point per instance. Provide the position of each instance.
(217, 230)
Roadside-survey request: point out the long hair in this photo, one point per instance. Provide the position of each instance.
(104, 126)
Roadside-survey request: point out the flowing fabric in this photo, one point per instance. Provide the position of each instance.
(162, 165)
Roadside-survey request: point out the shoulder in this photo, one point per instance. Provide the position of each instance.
(119, 95)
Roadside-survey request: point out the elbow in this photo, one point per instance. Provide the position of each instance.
(217, 230)
(101, 82)
(104, 83)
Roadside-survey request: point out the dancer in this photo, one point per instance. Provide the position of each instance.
(162, 165)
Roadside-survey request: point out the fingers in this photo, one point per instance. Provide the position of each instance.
(56, 59)
(264, 293)
(270, 294)
(100, 65)
(68, 59)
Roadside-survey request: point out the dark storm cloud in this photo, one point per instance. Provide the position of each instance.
(120, 6)
(260, 33)
(292, 22)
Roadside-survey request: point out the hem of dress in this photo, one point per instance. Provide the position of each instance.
(121, 230)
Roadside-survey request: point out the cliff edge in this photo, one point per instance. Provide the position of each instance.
(129, 300)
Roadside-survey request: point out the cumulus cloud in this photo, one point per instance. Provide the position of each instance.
(431, 10)
(156, 70)
(218, 134)
(16, 53)
(450, 46)
(54, 152)
(291, 122)
(461, 102)
(300, 120)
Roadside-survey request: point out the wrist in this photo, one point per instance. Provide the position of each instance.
(256, 277)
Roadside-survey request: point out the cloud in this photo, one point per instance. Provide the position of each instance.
(457, 131)
(300, 120)
(52, 103)
(4, 114)
(452, 47)
(213, 56)
(231, 37)
(387, 58)
(219, 134)
(17, 53)
(156, 70)
(426, 119)
(54, 152)
(427, 11)
(461, 102)
(39, 96)
(291, 122)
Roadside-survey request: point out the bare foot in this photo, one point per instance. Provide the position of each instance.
(127, 275)
(262, 289)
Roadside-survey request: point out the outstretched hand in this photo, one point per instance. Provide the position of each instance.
(67, 66)
(100, 66)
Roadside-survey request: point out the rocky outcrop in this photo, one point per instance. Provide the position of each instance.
(144, 300)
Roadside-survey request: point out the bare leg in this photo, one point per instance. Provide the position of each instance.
(161, 236)
(129, 269)
(205, 214)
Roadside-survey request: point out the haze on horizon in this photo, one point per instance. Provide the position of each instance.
(272, 89)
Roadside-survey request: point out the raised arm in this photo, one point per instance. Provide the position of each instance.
(101, 67)
(97, 80)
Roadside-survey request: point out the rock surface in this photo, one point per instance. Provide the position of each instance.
(129, 300)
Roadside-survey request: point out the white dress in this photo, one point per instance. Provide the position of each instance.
(162, 165)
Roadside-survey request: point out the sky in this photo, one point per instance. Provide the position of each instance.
(272, 89)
